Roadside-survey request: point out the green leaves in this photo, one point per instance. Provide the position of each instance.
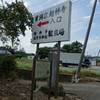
(14, 18)
(74, 47)
(7, 65)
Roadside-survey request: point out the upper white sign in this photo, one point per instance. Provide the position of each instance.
(53, 24)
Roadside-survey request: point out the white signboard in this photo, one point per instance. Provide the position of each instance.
(53, 24)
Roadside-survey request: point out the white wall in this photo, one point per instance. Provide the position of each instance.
(70, 57)
(30, 57)
(93, 62)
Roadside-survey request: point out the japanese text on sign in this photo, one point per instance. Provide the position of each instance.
(52, 24)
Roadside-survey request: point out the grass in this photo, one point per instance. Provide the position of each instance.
(67, 72)
(84, 73)
(24, 63)
(27, 64)
(89, 73)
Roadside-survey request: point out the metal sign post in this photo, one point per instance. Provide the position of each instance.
(49, 94)
(33, 83)
(33, 78)
(41, 72)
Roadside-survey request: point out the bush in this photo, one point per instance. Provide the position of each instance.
(7, 65)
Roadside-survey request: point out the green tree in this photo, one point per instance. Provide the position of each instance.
(74, 47)
(66, 47)
(14, 19)
(56, 45)
(43, 52)
(20, 53)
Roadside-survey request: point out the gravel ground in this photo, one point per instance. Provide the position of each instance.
(20, 90)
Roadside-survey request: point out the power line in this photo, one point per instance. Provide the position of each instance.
(52, 4)
(38, 3)
(85, 19)
(76, 1)
(82, 25)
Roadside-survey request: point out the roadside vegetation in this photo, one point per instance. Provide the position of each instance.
(7, 66)
(84, 73)
(25, 63)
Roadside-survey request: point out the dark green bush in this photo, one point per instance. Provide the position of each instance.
(7, 65)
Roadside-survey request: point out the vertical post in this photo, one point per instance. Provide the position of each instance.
(33, 83)
(97, 57)
(49, 94)
(57, 72)
(98, 53)
(86, 40)
(37, 51)
(33, 77)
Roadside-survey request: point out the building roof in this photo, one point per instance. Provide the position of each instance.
(55, 49)
(4, 52)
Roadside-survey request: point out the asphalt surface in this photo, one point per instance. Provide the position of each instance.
(86, 91)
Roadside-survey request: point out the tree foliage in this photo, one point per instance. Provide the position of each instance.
(56, 45)
(74, 47)
(7, 66)
(14, 19)
(18, 53)
(43, 52)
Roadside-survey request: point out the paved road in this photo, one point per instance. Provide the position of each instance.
(93, 68)
(86, 91)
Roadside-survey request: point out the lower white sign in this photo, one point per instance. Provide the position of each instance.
(42, 69)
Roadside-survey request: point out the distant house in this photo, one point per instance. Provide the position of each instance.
(30, 57)
(54, 50)
(5, 52)
(94, 61)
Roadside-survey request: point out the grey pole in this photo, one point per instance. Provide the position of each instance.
(86, 40)
(57, 70)
(98, 53)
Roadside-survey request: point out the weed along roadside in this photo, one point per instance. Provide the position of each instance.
(26, 65)
(27, 75)
(86, 76)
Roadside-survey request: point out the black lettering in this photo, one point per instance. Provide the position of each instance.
(50, 33)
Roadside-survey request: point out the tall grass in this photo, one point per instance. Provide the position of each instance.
(24, 63)
(73, 72)
(27, 64)
(89, 73)
(84, 73)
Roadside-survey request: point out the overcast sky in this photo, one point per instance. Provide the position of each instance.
(81, 11)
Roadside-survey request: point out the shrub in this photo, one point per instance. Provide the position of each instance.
(7, 65)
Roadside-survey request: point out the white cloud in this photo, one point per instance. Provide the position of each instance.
(27, 4)
(48, 1)
(91, 3)
(86, 17)
(97, 37)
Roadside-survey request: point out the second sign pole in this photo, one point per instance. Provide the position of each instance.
(57, 72)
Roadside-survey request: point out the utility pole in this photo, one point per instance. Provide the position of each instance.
(98, 53)
(86, 40)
